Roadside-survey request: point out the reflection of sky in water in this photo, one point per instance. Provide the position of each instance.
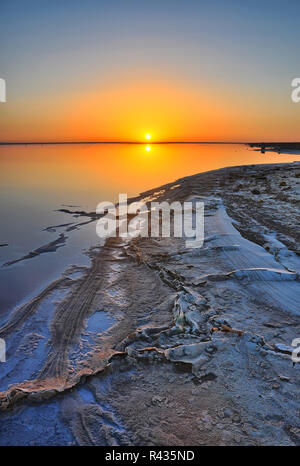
(36, 180)
(24, 279)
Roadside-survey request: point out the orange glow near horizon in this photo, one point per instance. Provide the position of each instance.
(138, 108)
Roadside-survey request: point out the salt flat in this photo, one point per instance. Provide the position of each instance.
(159, 344)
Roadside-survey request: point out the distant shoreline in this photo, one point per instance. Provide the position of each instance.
(263, 145)
(111, 142)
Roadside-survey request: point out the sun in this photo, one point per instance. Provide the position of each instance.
(148, 136)
(148, 148)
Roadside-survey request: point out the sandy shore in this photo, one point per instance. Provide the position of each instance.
(157, 344)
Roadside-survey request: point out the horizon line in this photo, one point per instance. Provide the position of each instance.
(11, 143)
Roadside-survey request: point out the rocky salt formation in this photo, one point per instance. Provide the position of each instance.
(158, 344)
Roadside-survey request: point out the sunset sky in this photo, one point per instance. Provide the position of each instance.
(180, 70)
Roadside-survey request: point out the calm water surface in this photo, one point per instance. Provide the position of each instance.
(35, 181)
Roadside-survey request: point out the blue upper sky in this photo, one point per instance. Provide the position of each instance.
(239, 47)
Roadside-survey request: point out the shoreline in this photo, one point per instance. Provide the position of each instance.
(165, 302)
